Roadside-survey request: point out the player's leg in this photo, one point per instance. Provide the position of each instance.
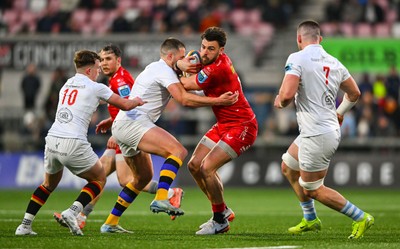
(159, 142)
(194, 164)
(143, 174)
(53, 174)
(96, 180)
(215, 159)
(320, 150)
(38, 199)
(291, 170)
(108, 163)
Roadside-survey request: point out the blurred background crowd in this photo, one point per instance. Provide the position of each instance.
(377, 114)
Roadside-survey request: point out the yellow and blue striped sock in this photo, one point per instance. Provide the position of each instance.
(125, 198)
(167, 175)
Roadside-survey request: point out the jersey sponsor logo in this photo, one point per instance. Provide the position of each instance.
(64, 115)
(288, 67)
(328, 99)
(202, 76)
(124, 91)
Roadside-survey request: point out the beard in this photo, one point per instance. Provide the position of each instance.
(207, 61)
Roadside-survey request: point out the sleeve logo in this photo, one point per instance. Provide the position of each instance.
(202, 77)
(288, 67)
(124, 91)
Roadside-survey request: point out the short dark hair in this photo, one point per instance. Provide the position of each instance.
(169, 44)
(215, 34)
(309, 27)
(111, 48)
(84, 58)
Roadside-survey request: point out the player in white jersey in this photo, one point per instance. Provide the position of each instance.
(67, 144)
(135, 130)
(313, 78)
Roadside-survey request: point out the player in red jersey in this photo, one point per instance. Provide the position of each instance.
(120, 82)
(235, 131)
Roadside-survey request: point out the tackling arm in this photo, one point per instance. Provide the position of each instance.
(185, 98)
(125, 104)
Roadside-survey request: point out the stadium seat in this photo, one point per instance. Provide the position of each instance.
(246, 29)
(80, 15)
(347, 29)
(144, 5)
(10, 17)
(391, 16)
(193, 5)
(98, 17)
(29, 19)
(254, 16)
(238, 17)
(20, 4)
(124, 4)
(363, 30)
(329, 29)
(382, 30)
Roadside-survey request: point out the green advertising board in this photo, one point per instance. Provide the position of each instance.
(365, 55)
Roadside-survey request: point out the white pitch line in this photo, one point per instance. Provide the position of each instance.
(267, 247)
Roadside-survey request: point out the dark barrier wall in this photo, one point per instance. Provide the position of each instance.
(262, 168)
(255, 168)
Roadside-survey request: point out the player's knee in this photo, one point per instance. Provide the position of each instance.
(289, 162)
(194, 166)
(310, 188)
(124, 181)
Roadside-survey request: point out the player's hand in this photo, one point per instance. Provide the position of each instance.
(104, 125)
(340, 118)
(138, 102)
(277, 102)
(228, 98)
(111, 143)
(186, 66)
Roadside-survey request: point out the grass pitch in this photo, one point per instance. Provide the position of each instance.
(262, 219)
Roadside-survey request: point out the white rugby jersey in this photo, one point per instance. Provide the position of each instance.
(151, 86)
(78, 100)
(320, 77)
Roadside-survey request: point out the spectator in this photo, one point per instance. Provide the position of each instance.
(379, 90)
(30, 86)
(58, 79)
(365, 83)
(120, 24)
(393, 83)
(333, 11)
(373, 12)
(352, 12)
(49, 22)
(392, 111)
(273, 12)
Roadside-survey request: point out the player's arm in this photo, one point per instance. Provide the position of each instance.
(104, 125)
(189, 83)
(125, 104)
(350, 98)
(185, 98)
(185, 65)
(287, 91)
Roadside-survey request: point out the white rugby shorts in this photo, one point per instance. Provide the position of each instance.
(75, 154)
(315, 152)
(128, 134)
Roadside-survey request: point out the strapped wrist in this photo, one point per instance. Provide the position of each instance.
(345, 106)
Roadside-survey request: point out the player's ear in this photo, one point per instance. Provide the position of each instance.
(299, 38)
(221, 50)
